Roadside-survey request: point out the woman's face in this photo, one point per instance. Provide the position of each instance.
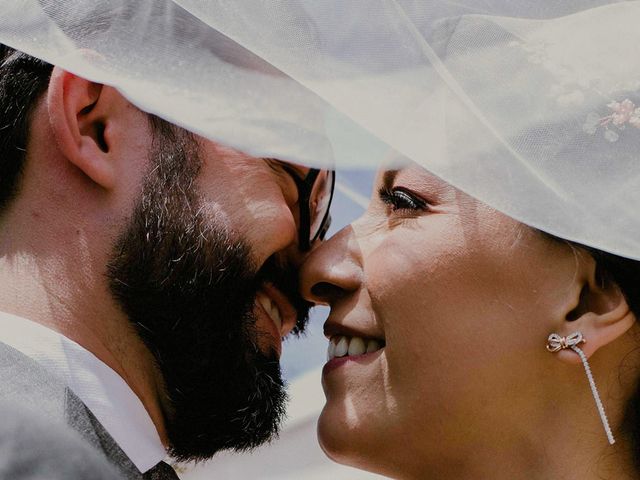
(461, 298)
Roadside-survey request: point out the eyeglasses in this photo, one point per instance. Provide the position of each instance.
(315, 193)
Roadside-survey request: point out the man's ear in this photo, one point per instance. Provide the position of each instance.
(79, 116)
(599, 309)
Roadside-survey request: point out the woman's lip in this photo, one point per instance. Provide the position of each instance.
(338, 362)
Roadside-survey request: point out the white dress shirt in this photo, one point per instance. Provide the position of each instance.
(102, 390)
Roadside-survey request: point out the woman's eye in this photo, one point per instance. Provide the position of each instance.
(400, 199)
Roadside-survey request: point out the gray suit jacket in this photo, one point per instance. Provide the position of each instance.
(46, 432)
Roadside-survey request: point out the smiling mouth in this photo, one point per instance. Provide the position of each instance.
(271, 308)
(278, 309)
(345, 346)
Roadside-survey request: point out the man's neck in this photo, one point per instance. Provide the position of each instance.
(76, 303)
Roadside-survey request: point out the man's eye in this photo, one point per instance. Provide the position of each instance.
(399, 199)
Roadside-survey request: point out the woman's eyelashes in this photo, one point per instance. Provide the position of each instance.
(401, 200)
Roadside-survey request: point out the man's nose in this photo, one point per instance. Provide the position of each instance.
(333, 269)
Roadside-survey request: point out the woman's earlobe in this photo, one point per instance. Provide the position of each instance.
(79, 122)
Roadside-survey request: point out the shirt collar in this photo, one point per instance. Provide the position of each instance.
(102, 390)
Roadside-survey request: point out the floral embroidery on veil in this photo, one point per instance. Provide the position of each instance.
(622, 114)
(572, 90)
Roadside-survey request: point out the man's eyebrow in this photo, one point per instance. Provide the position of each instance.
(300, 170)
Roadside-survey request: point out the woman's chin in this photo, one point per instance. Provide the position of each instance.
(347, 441)
(338, 436)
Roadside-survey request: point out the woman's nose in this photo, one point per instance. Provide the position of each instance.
(333, 269)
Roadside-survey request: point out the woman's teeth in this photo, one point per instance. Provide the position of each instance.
(341, 346)
(271, 308)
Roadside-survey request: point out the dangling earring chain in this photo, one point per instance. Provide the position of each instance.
(556, 343)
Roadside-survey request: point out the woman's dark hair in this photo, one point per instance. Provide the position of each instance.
(626, 274)
(23, 80)
(623, 272)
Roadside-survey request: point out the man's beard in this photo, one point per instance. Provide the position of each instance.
(188, 287)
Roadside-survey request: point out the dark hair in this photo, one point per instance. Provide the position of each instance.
(626, 274)
(623, 272)
(23, 80)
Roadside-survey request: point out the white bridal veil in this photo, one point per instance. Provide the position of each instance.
(531, 106)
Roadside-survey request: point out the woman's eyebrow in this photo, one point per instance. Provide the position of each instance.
(388, 177)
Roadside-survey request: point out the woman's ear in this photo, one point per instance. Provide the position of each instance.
(599, 309)
(79, 117)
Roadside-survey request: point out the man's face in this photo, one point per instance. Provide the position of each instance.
(206, 271)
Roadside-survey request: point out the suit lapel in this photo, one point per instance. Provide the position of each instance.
(24, 381)
(81, 419)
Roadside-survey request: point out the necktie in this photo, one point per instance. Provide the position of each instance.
(161, 471)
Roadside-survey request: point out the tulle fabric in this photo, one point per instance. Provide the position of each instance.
(531, 107)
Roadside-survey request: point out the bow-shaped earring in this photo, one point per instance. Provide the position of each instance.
(555, 343)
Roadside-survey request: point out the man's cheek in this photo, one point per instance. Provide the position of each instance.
(270, 228)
